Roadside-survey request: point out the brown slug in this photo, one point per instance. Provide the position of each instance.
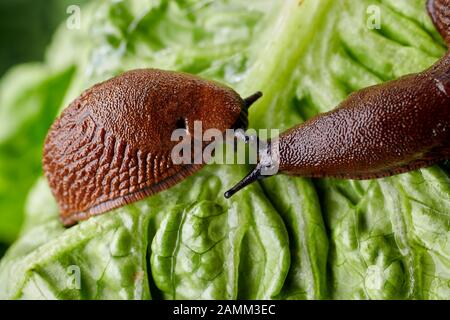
(379, 131)
(112, 145)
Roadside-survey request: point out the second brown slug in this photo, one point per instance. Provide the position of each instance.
(380, 131)
(112, 145)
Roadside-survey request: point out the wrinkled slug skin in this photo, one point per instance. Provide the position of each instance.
(379, 131)
(439, 10)
(112, 145)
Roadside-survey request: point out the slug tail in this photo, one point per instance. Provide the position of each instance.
(254, 175)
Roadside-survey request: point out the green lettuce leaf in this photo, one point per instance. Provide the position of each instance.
(286, 238)
(30, 97)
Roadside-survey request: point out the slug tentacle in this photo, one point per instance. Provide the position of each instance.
(252, 99)
(254, 175)
(242, 122)
(267, 159)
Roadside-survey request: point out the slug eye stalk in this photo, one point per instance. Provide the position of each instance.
(252, 99)
(254, 175)
(262, 169)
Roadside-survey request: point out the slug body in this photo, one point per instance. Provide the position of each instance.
(376, 132)
(112, 145)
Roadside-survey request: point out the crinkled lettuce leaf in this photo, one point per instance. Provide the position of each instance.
(285, 238)
(30, 96)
